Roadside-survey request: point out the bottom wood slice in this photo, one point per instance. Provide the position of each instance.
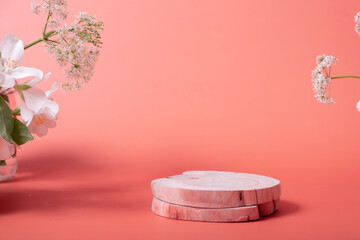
(268, 208)
(238, 214)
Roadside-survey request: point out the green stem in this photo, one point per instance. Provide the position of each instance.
(47, 20)
(33, 43)
(345, 77)
(44, 38)
(49, 34)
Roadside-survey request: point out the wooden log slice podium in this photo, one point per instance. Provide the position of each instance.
(215, 196)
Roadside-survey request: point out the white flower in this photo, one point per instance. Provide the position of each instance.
(76, 48)
(57, 10)
(321, 78)
(35, 81)
(38, 110)
(35, 8)
(12, 51)
(6, 149)
(357, 21)
(358, 106)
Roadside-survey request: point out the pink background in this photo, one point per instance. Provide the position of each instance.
(188, 85)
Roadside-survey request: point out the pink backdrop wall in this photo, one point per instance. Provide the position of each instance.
(182, 85)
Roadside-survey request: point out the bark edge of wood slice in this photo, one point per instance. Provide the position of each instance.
(240, 214)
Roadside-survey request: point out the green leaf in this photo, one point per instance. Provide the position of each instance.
(21, 133)
(22, 87)
(21, 95)
(6, 121)
(16, 111)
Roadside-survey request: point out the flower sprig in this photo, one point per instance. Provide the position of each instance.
(357, 21)
(75, 47)
(321, 75)
(321, 78)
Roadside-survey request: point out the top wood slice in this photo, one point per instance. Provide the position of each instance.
(213, 189)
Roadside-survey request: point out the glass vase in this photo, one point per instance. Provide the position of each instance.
(8, 168)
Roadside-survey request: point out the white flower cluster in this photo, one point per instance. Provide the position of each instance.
(321, 78)
(37, 108)
(76, 48)
(357, 21)
(56, 9)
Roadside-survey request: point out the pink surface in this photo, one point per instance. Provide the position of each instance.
(188, 85)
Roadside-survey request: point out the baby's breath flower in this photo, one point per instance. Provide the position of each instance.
(321, 78)
(357, 21)
(56, 10)
(35, 8)
(76, 49)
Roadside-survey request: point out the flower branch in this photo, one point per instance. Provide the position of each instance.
(321, 76)
(74, 47)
